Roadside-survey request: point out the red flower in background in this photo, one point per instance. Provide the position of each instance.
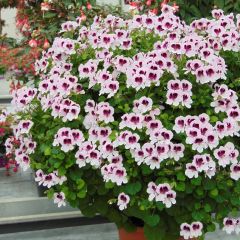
(33, 43)
(164, 2)
(45, 6)
(46, 44)
(154, 11)
(89, 6)
(2, 132)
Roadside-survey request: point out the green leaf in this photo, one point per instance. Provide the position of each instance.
(152, 220)
(60, 156)
(197, 215)
(146, 169)
(180, 187)
(214, 193)
(47, 151)
(211, 227)
(132, 188)
(82, 193)
(199, 191)
(62, 171)
(57, 164)
(109, 185)
(89, 211)
(219, 3)
(80, 184)
(72, 195)
(49, 15)
(197, 181)
(235, 200)
(102, 190)
(195, 11)
(154, 233)
(50, 193)
(181, 176)
(207, 208)
(101, 205)
(213, 119)
(160, 206)
(197, 205)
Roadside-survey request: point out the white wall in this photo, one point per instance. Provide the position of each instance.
(113, 2)
(8, 15)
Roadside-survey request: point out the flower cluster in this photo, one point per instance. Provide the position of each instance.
(101, 112)
(193, 230)
(199, 131)
(23, 97)
(201, 163)
(22, 145)
(67, 138)
(224, 99)
(161, 193)
(226, 154)
(117, 96)
(50, 179)
(179, 92)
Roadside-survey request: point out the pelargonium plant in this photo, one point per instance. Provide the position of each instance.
(134, 119)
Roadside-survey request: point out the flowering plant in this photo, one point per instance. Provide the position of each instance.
(134, 119)
(6, 160)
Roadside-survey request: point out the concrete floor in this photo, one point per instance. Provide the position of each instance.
(18, 185)
(92, 232)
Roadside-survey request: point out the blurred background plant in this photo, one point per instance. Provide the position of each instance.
(187, 9)
(7, 162)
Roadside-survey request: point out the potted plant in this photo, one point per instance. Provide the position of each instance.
(134, 120)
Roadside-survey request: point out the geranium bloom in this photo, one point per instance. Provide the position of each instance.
(49, 180)
(235, 171)
(191, 170)
(40, 176)
(123, 200)
(59, 199)
(226, 155)
(229, 225)
(24, 127)
(152, 191)
(186, 231)
(67, 138)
